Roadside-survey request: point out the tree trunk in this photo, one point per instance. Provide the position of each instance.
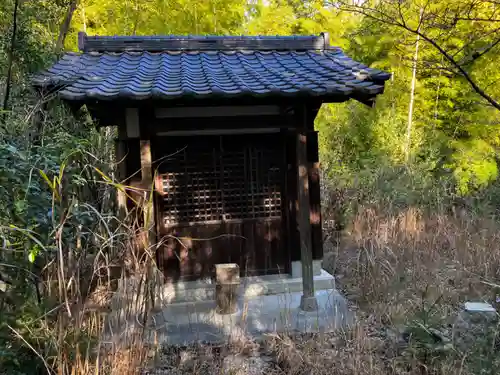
(84, 18)
(412, 96)
(10, 62)
(63, 30)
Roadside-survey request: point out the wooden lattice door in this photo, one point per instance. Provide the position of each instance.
(220, 201)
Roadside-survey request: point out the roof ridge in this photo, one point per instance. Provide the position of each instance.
(158, 43)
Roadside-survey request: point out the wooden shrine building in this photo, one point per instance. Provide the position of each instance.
(223, 128)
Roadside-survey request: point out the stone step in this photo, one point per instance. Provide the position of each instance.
(250, 287)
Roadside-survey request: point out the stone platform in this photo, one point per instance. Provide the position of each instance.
(194, 322)
(185, 312)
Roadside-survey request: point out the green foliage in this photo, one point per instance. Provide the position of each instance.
(453, 148)
(147, 17)
(37, 30)
(453, 130)
(427, 343)
(40, 186)
(474, 165)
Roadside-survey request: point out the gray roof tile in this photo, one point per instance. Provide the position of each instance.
(137, 74)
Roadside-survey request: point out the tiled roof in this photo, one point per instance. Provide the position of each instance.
(141, 68)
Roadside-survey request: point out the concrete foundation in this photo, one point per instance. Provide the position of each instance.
(198, 322)
(186, 312)
(297, 268)
(204, 290)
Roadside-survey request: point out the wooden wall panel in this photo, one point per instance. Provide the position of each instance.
(221, 202)
(191, 252)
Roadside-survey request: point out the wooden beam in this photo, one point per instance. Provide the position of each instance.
(285, 191)
(217, 111)
(182, 133)
(215, 123)
(314, 195)
(308, 301)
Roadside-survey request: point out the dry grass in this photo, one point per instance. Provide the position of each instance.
(390, 262)
(393, 267)
(68, 330)
(408, 267)
(397, 269)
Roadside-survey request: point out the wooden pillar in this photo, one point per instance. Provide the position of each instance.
(148, 209)
(315, 211)
(308, 300)
(292, 229)
(120, 176)
(134, 131)
(147, 185)
(315, 196)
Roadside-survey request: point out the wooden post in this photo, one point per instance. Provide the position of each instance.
(291, 198)
(308, 300)
(315, 195)
(315, 216)
(227, 278)
(147, 184)
(134, 130)
(121, 171)
(149, 227)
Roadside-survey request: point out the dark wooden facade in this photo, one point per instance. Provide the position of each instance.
(225, 186)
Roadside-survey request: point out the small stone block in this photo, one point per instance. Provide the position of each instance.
(227, 276)
(479, 307)
(227, 273)
(226, 298)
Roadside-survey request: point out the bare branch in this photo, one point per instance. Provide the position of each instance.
(478, 19)
(400, 12)
(477, 54)
(63, 30)
(454, 63)
(398, 20)
(476, 39)
(422, 14)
